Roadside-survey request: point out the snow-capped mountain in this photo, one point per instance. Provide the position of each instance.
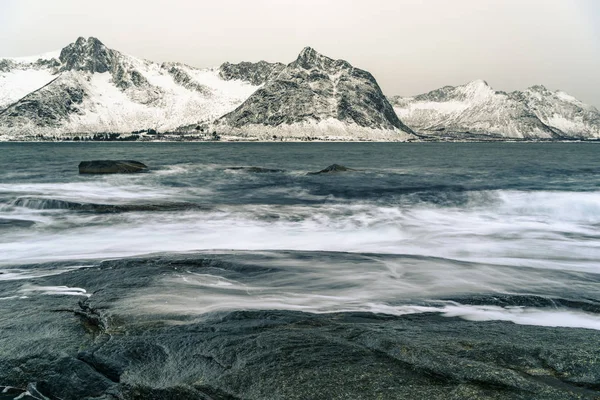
(89, 88)
(315, 96)
(475, 109)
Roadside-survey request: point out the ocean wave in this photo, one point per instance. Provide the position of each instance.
(325, 282)
(530, 229)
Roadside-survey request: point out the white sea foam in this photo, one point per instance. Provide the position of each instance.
(396, 285)
(549, 230)
(525, 316)
(104, 190)
(203, 293)
(483, 242)
(54, 290)
(17, 274)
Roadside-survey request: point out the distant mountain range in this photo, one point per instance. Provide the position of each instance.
(475, 110)
(88, 90)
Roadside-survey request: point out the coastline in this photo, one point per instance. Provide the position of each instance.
(419, 271)
(118, 349)
(310, 141)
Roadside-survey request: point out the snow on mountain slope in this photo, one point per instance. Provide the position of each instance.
(562, 111)
(91, 88)
(475, 109)
(22, 75)
(312, 95)
(18, 83)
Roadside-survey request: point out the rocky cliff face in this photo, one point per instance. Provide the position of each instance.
(475, 109)
(254, 73)
(315, 89)
(92, 56)
(88, 55)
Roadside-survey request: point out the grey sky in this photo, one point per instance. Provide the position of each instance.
(410, 46)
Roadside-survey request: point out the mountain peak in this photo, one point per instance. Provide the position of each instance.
(310, 58)
(480, 83)
(538, 88)
(86, 55)
(477, 89)
(308, 52)
(90, 41)
(315, 90)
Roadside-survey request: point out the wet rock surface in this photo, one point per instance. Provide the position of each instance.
(6, 223)
(36, 203)
(111, 167)
(94, 347)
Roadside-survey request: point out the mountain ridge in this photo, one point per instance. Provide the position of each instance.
(88, 88)
(116, 93)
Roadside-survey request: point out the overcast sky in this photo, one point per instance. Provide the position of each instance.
(411, 46)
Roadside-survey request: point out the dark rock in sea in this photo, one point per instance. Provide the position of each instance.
(332, 168)
(111, 167)
(37, 203)
(15, 223)
(256, 170)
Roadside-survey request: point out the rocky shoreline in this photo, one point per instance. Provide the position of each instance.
(98, 343)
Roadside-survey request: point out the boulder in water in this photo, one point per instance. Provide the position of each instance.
(332, 168)
(111, 167)
(15, 223)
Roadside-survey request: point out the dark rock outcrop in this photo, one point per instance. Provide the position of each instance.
(332, 168)
(180, 76)
(89, 55)
(111, 167)
(15, 223)
(40, 203)
(108, 348)
(254, 73)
